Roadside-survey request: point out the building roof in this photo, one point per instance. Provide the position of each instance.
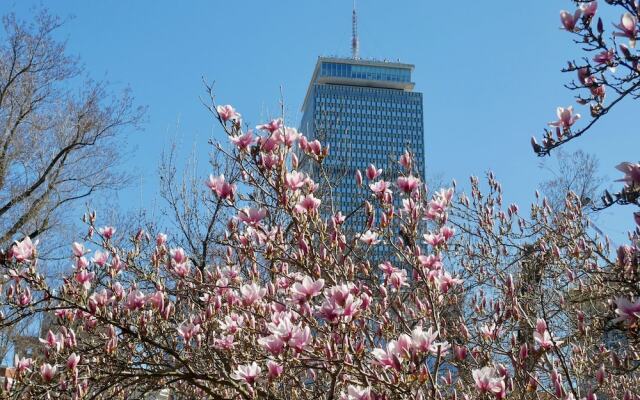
(316, 78)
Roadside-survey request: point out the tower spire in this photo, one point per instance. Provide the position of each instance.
(355, 42)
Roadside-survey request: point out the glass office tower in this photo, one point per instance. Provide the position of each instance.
(367, 112)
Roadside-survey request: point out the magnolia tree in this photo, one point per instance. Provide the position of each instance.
(477, 299)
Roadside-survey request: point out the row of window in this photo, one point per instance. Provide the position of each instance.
(368, 72)
(382, 116)
(384, 104)
(370, 127)
(364, 93)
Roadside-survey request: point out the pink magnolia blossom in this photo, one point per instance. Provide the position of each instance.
(135, 300)
(447, 232)
(84, 278)
(156, 300)
(303, 245)
(434, 240)
(47, 372)
(24, 250)
(380, 188)
(24, 298)
(597, 89)
(116, 264)
(81, 263)
(446, 281)
(544, 340)
(272, 344)
(390, 357)
(70, 338)
(589, 9)
(308, 204)
(566, 118)
(73, 361)
(78, 249)
(601, 374)
(369, 237)
(628, 28)
(543, 337)
(251, 293)
(431, 262)
(107, 232)
(227, 113)
(627, 310)
(315, 148)
(289, 136)
(488, 380)
(100, 258)
(372, 172)
(491, 332)
(300, 337)
(274, 369)
(272, 126)
(398, 278)
(303, 143)
(232, 323)
(406, 160)
(269, 161)
(606, 57)
(444, 196)
(248, 373)
(424, 342)
(178, 255)
(523, 353)
(182, 269)
(408, 184)
(53, 341)
(569, 21)
(295, 180)
(306, 289)
(98, 300)
(220, 187)
(338, 218)
(118, 290)
(357, 393)
(281, 326)
(358, 178)
(460, 352)
(271, 143)
(225, 342)
(341, 303)
(387, 268)
(252, 216)
(243, 142)
(188, 331)
(631, 173)
(161, 239)
(583, 74)
(22, 364)
(437, 208)
(556, 380)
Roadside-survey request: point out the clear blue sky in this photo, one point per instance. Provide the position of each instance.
(489, 72)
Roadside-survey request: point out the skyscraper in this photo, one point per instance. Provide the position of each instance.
(367, 112)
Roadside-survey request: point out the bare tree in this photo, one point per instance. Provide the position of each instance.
(576, 172)
(60, 138)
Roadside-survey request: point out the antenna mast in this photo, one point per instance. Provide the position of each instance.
(355, 42)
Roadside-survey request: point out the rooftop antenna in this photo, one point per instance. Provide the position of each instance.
(355, 43)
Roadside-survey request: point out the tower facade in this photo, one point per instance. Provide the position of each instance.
(367, 112)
